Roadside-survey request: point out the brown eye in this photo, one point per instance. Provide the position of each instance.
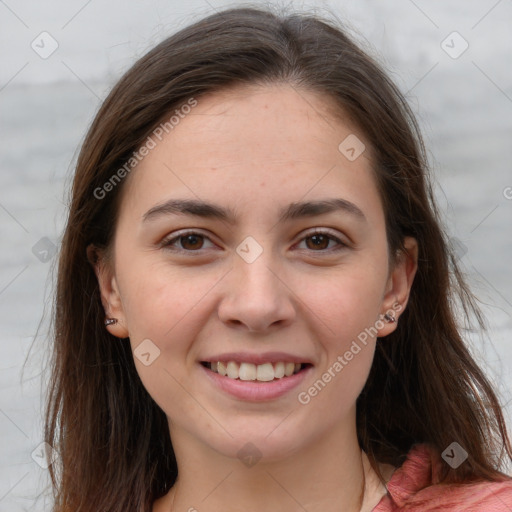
(318, 242)
(191, 242)
(186, 242)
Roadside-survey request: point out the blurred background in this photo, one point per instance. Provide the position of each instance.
(59, 60)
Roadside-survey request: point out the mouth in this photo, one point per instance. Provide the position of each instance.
(266, 372)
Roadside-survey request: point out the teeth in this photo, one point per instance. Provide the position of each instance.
(261, 372)
(221, 368)
(232, 370)
(265, 372)
(279, 370)
(247, 371)
(289, 368)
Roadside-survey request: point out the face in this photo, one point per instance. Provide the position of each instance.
(286, 270)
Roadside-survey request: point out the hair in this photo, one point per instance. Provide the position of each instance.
(424, 386)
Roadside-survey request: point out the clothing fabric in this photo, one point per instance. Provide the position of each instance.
(415, 487)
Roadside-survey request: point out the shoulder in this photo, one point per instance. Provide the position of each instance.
(413, 487)
(470, 497)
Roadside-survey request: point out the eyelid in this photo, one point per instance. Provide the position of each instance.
(167, 241)
(174, 237)
(326, 232)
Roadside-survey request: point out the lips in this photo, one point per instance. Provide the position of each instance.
(266, 367)
(255, 390)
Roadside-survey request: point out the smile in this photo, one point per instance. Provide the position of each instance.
(265, 372)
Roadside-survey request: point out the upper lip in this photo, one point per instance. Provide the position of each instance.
(248, 357)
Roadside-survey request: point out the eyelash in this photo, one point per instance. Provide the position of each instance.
(167, 243)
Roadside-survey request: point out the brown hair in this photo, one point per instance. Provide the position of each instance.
(424, 386)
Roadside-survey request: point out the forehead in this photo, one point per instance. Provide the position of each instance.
(281, 116)
(242, 141)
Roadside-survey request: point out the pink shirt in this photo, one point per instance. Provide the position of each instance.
(411, 489)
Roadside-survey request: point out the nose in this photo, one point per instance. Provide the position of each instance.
(256, 296)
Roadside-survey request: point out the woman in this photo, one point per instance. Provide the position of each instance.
(256, 302)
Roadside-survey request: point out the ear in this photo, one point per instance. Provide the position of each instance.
(109, 291)
(399, 285)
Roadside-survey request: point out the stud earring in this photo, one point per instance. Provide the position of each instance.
(110, 321)
(389, 318)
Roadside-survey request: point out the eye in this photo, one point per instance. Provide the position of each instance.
(190, 241)
(319, 241)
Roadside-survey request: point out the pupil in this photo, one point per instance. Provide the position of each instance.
(193, 238)
(319, 240)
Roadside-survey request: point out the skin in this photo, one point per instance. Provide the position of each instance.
(255, 149)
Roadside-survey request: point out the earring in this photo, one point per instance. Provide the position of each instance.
(110, 321)
(389, 318)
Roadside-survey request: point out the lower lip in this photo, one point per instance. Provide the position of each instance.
(256, 391)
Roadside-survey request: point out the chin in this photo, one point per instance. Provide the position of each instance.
(263, 442)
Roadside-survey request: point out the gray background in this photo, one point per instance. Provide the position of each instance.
(464, 106)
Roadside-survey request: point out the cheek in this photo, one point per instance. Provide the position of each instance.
(169, 307)
(165, 312)
(159, 300)
(347, 311)
(346, 301)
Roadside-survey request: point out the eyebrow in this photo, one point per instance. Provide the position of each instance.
(212, 211)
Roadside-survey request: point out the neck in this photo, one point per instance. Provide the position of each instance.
(328, 475)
